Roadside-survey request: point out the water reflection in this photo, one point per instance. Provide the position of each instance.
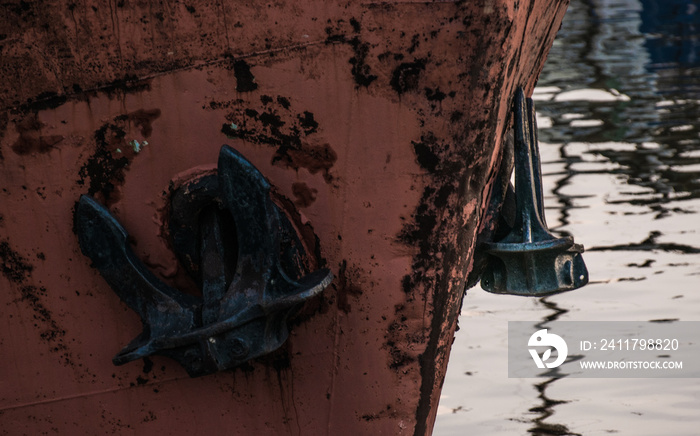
(545, 408)
(619, 108)
(649, 244)
(646, 59)
(638, 120)
(544, 411)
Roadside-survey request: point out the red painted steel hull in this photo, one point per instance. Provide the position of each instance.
(381, 122)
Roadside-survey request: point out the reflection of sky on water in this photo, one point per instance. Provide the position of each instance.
(619, 113)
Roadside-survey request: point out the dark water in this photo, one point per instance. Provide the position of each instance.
(619, 113)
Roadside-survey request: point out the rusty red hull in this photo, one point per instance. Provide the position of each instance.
(382, 124)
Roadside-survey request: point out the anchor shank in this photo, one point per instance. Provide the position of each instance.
(535, 156)
(246, 195)
(213, 266)
(528, 181)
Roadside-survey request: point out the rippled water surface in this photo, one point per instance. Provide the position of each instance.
(619, 114)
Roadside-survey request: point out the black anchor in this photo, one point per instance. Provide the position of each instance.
(247, 292)
(530, 260)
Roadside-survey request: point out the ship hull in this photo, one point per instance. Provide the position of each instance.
(380, 127)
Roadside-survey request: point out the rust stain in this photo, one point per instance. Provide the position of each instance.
(305, 196)
(398, 335)
(142, 118)
(273, 122)
(30, 138)
(348, 285)
(17, 270)
(315, 158)
(114, 150)
(406, 76)
(14, 266)
(245, 81)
